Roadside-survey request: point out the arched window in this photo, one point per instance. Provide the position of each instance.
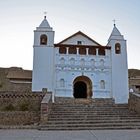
(62, 83)
(102, 63)
(101, 51)
(102, 84)
(72, 50)
(117, 48)
(43, 39)
(82, 50)
(62, 61)
(62, 50)
(72, 61)
(92, 51)
(82, 62)
(92, 61)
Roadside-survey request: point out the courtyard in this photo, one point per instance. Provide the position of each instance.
(21, 134)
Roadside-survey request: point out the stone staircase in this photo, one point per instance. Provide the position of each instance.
(90, 114)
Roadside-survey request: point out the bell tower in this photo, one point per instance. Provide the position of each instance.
(119, 66)
(43, 57)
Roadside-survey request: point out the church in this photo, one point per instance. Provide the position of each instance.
(80, 67)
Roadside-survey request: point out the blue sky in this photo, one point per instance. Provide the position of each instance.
(93, 17)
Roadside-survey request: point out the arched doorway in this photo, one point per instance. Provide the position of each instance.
(80, 90)
(82, 87)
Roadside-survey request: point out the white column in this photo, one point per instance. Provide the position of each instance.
(97, 51)
(77, 51)
(67, 50)
(87, 51)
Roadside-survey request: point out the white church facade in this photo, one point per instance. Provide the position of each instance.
(79, 67)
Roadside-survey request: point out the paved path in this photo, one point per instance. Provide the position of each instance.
(70, 135)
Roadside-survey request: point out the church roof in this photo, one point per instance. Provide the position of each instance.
(82, 34)
(44, 23)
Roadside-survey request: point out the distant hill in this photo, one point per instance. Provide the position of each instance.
(11, 79)
(133, 72)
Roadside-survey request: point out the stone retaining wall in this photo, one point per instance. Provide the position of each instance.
(20, 101)
(134, 102)
(46, 106)
(19, 118)
(20, 108)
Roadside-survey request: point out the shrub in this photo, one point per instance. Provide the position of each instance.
(9, 107)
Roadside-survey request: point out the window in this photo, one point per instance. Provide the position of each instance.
(92, 61)
(102, 63)
(62, 83)
(82, 62)
(82, 51)
(72, 61)
(62, 61)
(43, 39)
(102, 84)
(101, 51)
(72, 50)
(62, 50)
(92, 51)
(117, 48)
(79, 42)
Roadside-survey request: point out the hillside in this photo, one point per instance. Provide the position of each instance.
(134, 72)
(10, 82)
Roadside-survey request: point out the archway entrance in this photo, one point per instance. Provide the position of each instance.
(82, 87)
(80, 90)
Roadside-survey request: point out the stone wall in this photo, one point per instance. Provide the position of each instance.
(20, 108)
(134, 102)
(46, 106)
(19, 118)
(20, 101)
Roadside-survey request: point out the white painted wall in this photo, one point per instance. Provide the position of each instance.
(43, 68)
(119, 73)
(70, 72)
(78, 37)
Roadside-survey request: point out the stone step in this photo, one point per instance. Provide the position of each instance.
(96, 113)
(81, 105)
(89, 109)
(88, 113)
(93, 110)
(92, 121)
(91, 104)
(92, 114)
(73, 100)
(91, 117)
(90, 126)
